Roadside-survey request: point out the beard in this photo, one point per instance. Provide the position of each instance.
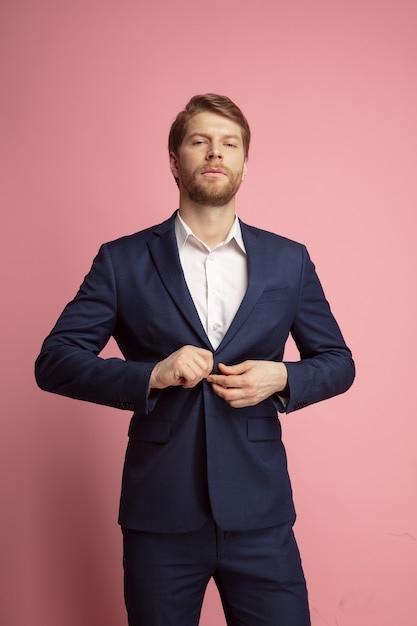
(214, 192)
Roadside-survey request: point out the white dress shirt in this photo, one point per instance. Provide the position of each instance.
(217, 278)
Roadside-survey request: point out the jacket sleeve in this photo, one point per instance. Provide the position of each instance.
(69, 363)
(326, 367)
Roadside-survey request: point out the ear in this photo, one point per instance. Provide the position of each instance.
(173, 162)
(245, 167)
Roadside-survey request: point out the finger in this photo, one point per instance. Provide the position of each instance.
(228, 370)
(236, 397)
(225, 393)
(206, 354)
(194, 371)
(227, 382)
(228, 375)
(190, 355)
(190, 375)
(205, 364)
(204, 358)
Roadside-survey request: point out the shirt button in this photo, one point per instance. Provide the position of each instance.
(216, 327)
(211, 257)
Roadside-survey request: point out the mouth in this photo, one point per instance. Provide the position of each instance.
(214, 171)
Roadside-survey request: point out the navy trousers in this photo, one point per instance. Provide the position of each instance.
(258, 574)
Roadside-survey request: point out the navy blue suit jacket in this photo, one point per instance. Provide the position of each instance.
(190, 455)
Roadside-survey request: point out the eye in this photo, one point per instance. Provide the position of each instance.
(231, 145)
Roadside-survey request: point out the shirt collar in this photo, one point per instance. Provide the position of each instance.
(183, 232)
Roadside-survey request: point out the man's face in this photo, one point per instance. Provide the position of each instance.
(211, 162)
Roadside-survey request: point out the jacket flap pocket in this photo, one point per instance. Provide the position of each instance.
(275, 294)
(264, 429)
(145, 429)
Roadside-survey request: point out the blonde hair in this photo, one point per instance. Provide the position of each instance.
(212, 103)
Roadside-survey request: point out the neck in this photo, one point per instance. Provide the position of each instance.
(210, 224)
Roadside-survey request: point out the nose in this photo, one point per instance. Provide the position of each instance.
(214, 152)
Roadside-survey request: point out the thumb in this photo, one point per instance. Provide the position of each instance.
(229, 370)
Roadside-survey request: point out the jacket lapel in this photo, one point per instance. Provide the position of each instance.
(164, 251)
(256, 282)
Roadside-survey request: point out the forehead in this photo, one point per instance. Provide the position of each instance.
(207, 123)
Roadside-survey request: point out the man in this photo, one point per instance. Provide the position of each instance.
(201, 307)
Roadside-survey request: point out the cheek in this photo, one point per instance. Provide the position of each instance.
(187, 166)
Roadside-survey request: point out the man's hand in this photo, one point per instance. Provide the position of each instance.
(186, 368)
(248, 383)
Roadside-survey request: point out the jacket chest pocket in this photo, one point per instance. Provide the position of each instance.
(272, 295)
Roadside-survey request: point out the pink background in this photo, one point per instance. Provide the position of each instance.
(89, 89)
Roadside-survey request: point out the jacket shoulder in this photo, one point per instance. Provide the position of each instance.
(139, 238)
(273, 239)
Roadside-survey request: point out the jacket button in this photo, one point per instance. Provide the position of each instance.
(300, 405)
